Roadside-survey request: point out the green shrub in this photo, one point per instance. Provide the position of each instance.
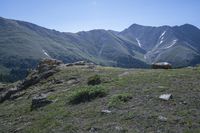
(94, 80)
(86, 94)
(119, 99)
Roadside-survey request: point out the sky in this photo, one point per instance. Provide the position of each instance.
(84, 15)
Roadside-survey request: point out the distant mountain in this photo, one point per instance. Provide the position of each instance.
(179, 45)
(22, 44)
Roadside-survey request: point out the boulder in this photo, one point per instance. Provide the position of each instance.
(40, 101)
(162, 65)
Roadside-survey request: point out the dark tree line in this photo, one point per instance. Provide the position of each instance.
(14, 75)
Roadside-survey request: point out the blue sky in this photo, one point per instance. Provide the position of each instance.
(78, 15)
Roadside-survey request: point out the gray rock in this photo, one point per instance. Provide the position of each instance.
(40, 101)
(165, 97)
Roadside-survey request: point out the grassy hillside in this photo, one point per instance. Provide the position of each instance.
(130, 94)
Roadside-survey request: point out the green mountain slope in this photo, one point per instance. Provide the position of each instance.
(23, 44)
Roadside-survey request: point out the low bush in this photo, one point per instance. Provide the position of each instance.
(86, 94)
(119, 99)
(94, 80)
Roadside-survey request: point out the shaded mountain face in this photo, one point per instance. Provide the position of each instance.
(23, 44)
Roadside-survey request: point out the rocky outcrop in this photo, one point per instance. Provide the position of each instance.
(162, 65)
(45, 69)
(48, 64)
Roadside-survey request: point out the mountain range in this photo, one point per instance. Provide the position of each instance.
(23, 44)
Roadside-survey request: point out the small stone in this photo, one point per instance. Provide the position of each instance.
(165, 96)
(106, 111)
(162, 118)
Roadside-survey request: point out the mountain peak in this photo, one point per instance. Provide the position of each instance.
(135, 26)
(187, 25)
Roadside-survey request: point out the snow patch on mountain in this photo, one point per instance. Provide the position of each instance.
(138, 41)
(162, 37)
(45, 53)
(173, 42)
(161, 41)
(162, 34)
